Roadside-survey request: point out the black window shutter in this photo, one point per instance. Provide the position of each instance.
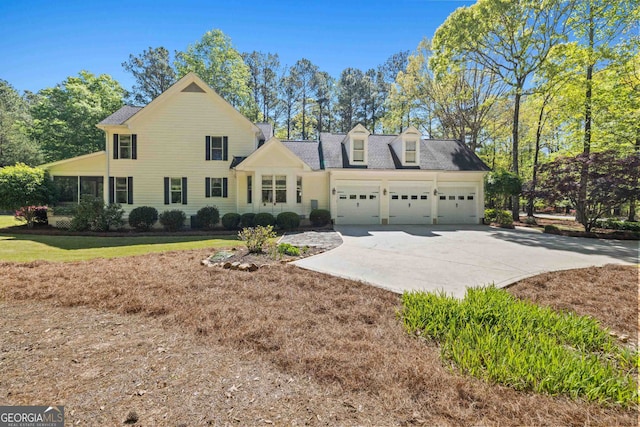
(166, 190)
(224, 186)
(130, 190)
(111, 189)
(115, 145)
(184, 190)
(225, 148)
(134, 146)
(207, 187)
(207, 144)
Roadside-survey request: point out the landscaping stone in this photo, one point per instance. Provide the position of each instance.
(235, 265)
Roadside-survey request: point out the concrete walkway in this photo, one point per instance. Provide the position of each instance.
(452, 258)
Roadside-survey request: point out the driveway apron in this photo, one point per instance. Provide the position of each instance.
(453, 258)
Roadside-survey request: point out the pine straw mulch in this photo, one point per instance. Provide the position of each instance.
(180, 343)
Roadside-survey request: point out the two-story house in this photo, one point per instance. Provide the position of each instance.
(189, 148)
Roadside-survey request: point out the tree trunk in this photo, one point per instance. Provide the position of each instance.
(534, 178)
(634, 199)
(586, 148)
(515, 199)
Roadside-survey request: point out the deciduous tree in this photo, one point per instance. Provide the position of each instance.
(153, 73)
(15, 119)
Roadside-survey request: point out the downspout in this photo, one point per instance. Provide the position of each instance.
(105, 184)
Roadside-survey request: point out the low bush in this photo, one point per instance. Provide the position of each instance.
(92, 214)
(247, 220)
(288, 249)
(320, 217)
(231, 221)
(551, 229)
(32, 215)
(143, 218)
(208, 217)
(256, 237)
(288, 220)
(172, 220)
(614, 224)
(264, 219)
(498, 216)
(492, 335)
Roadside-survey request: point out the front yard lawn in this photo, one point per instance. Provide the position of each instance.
(31, 247)
(180, 343)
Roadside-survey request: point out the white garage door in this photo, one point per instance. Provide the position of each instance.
(358, 205)
(409, 205)
(457, 205)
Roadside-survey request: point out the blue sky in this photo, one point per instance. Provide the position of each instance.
(43, 42)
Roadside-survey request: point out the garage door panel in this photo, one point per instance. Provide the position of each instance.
(409, 205)
(457, 205)
(358, 205)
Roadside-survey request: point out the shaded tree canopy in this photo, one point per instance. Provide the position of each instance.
(153, 73)
(15, 120)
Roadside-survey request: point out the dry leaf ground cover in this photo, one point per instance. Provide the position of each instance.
(177, 343)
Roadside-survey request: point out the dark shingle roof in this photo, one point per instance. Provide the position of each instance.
(435, 154)
(307, 151)
(236, 161)
(121, 116)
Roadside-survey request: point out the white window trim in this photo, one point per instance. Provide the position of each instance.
(364, 150)
(211, 180)
(405, 151)
(221, 148)
(171, 191)
(120, 156)
(126, 190)
(274, 188)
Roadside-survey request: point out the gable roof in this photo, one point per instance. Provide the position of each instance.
(122, 115)
(266, 129)
(282, 151)
(73, 159)
(435, 154)
(307, 151)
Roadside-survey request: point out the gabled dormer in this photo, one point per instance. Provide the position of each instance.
(407, 147)
(357, 146)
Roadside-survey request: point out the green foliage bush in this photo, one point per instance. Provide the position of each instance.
(208, 217)
(231, 221)
(614, 224)
(32, 215)
(320, 217)
(498, 216)
(288, 249)
(492, 335)
(172, 220)
(256, 237)
(22, 185)
(248, 220)
(551, 229)
(92, 214)
(288, 220)
(143, 218)
(264, 219)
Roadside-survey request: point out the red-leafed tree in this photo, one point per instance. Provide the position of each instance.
(611, 180)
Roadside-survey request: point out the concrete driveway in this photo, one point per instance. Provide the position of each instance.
(452, 258)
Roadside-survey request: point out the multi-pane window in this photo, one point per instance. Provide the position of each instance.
(176, 190)
(358, 150)
(267, 188)
(274, 185)
(217, 148)
(124, 146)
(410, 152)
(121, 190)
(249, 189)
(281, 189)
(216, 187)
(299, 189)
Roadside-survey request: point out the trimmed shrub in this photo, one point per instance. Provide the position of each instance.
(613, 224)
(498, 216)
(288, 249)
(489, 215)
(264, 219)
(256, 237)
(320, 217)
(92, 214)
(248, 220)
(143, 218)
(551, 229)
(32, 215)
(172, 220)
(208, 217)
(288, 220)
(231, 221)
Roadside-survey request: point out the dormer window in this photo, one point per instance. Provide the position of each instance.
(410, 152)
(358, 150)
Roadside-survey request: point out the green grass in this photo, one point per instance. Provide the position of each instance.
(29, 247)
(496, 337)
(8, 221)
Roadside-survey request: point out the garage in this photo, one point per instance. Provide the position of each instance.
(409, 204)
(358, 205)
(457, 205)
